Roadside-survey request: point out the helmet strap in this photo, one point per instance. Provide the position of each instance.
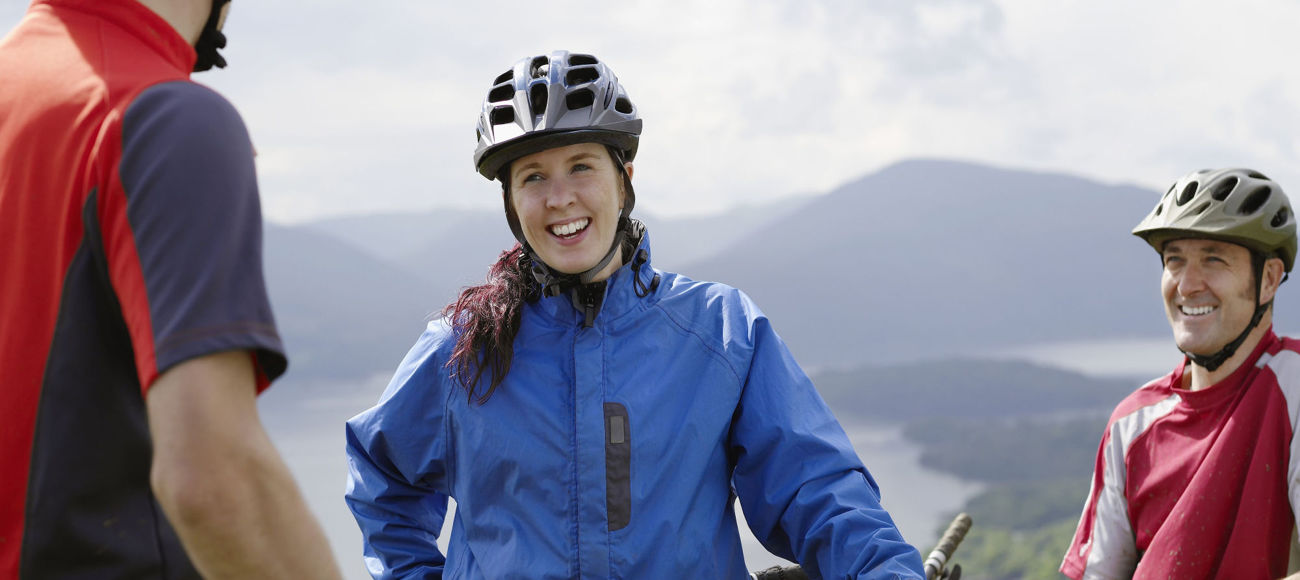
(1214, 361)
(210, 40)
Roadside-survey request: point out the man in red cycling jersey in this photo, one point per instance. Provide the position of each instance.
(135, 330)
(1198, 474)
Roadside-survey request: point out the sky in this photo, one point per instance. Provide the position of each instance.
(369, 107)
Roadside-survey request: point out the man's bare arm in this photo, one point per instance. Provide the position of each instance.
(221, 482)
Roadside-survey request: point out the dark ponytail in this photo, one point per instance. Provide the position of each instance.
(485, 320)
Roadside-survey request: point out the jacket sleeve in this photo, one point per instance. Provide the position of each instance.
(806, 495)
(397, 485)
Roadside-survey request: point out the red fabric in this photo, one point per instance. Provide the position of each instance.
(56, 147)
(1205, 479)
(124, 261)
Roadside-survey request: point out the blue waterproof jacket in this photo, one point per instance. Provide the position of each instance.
(616, 450)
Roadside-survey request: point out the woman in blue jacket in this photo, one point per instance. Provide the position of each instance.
(592, 416)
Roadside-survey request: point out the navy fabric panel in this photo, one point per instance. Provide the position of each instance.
(88, 488)
(618, 466)
(192, 201)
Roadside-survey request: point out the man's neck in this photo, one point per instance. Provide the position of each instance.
(1198, 377)
(186, 16)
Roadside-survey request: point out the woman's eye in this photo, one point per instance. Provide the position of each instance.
(580, 167)
(533, 178)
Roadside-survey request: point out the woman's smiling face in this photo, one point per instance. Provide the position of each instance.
(568, 201)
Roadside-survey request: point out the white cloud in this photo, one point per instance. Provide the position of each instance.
(371, 106)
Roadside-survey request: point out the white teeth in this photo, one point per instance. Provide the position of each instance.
(1199, 310)
(570, 228)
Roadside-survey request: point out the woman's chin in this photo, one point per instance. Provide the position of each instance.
(571, 260)
(569, 266)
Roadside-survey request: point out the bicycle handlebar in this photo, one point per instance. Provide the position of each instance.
(934, 564)
(948, 543)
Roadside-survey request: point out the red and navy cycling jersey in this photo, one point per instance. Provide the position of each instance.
(130, 241)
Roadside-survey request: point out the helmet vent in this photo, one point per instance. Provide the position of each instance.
(503, 115)
(1224, 188)
(623, 105)
(1160, 209)
(539, 68)
(580, 99)
(1255, 200)
(537, 98)
(1200, 209)
(1257, 175)
(1187, 194)
(505, 77)
(1281, 217)
(581, 59)
(583, 75)
(501, 93)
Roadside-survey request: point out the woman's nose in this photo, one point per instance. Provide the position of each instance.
(560, 193)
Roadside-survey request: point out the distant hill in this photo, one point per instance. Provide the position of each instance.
(929, 258)
(449, 249)
(963, 389)
(341, 312)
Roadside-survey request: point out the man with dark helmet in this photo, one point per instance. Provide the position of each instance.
(1198, 472)
(135, 329)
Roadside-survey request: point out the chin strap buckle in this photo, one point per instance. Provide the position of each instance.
(638, 261)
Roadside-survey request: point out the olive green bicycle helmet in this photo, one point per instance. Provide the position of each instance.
(1240, 206)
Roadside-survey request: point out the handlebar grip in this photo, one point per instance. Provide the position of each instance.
(948, 543)
(780, 573)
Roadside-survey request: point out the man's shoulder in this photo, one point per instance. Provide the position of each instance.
(181, 101)
(1284, 361)
(1152, 393)
(1287, 343)
(188, 131)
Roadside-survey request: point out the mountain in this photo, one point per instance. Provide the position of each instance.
(681, 241)
(929, 258)
(964, 389)
(341, 312)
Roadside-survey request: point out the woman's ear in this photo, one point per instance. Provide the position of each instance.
(627, 166)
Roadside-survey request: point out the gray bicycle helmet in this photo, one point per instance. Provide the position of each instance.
(1240, 206)
(551, 101)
